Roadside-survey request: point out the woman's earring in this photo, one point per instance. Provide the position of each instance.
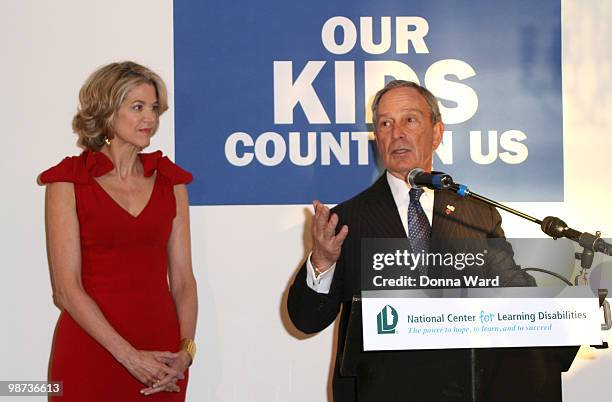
(106, 141)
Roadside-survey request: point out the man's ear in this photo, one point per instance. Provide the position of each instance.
(438, 130)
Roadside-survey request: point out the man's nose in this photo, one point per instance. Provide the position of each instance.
(398, 131)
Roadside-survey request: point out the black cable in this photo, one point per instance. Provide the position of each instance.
(549, 273)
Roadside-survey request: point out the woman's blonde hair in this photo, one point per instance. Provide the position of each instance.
(103, 93)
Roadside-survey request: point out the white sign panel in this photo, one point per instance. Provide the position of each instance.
(400, 323)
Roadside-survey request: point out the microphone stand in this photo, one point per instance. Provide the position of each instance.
(555, 228)
(552, 226)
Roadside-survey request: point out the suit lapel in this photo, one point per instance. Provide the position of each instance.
(442, 208)
(453, 217)
(381, 216)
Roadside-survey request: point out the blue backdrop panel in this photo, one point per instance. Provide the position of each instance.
(231, 63)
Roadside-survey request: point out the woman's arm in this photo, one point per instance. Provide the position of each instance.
(182, 281)
(64, 253)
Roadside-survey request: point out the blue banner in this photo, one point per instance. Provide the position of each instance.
(272, 99)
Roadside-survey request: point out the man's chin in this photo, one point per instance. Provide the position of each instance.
(400, 174)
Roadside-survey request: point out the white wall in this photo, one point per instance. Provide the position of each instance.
(247, 350)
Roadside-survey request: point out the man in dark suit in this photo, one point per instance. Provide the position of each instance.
(408, 129)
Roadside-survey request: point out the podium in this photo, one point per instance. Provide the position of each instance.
(524, 374)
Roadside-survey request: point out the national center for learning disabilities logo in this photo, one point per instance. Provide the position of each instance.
(386, 320)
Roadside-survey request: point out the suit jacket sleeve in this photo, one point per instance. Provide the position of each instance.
(310, 311)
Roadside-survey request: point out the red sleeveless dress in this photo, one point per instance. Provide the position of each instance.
(124, 266)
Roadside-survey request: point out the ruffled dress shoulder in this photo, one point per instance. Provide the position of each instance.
(83, 168)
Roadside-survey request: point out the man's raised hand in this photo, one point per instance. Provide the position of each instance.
(326, 244)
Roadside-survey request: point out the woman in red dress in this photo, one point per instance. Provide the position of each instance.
(118, 241)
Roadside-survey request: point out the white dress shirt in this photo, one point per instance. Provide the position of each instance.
(401, 195)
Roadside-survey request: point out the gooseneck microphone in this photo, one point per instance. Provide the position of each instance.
(552, 226)
(434, 180)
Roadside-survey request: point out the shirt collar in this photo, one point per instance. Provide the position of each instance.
(401, 191)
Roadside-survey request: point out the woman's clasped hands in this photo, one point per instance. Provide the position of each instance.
(158, 370)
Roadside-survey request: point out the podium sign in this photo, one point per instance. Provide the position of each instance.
(479, 318)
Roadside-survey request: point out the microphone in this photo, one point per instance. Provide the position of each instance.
(434, 180)
(556, 228)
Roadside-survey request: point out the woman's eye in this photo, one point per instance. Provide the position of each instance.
(138, 108)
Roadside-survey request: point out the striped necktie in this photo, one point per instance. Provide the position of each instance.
(419, 229)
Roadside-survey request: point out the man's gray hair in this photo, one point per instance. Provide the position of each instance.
(429, 98)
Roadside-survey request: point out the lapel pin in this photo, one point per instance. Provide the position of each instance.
(449, 209)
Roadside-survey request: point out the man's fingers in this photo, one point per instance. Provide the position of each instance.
(331, 225)
(320, 219)
(339, 239)
(323, 213)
